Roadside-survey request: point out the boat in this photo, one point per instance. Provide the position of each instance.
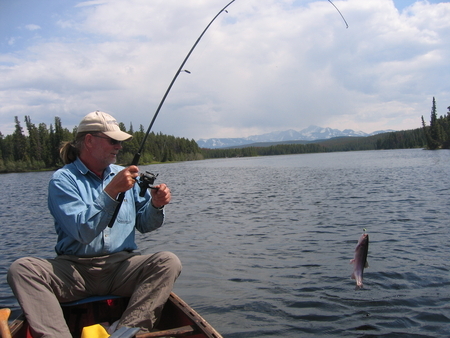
(178, 319)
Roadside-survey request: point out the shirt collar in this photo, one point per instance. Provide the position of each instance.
(84, 170)
(81, 166)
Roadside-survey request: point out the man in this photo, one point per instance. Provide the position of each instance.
(93, 258)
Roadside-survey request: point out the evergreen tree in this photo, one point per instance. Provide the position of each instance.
(2, 162)
(34, 143)
(1, 145)
(44, 140)
(438, 133)
(20, 151)
(57, 136)
(435, 128)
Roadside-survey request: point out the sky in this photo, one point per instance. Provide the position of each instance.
(262, 66)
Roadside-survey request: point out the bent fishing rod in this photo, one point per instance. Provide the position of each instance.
(137, 156)
(345, 21)
(149, 179)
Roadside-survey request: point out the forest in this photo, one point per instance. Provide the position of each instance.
(394, 140)
(38, 147)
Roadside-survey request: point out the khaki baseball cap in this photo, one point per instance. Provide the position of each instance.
(101, 122)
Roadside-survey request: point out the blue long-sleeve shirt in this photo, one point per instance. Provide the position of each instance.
(82, 212)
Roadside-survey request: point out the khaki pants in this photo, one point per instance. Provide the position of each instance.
(41, 284)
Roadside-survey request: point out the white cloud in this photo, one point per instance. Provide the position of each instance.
(266, 65)
(32, 27)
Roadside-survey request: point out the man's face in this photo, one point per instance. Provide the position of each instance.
(105, 149)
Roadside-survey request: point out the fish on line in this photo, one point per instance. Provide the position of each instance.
(360, 260)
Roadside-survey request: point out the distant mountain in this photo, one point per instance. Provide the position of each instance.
(311, 133)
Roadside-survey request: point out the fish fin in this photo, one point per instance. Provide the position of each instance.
(353, 276)
(358, 287)
(352, 261)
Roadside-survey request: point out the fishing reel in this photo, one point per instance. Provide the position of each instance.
(146, 181)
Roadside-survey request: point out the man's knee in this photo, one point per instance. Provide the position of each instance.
(169, 261)
(19, 268)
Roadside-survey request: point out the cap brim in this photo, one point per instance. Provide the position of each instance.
(118, 135)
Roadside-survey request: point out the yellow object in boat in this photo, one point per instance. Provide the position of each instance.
(94, 331)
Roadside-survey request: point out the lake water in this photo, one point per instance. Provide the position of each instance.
(266, 242)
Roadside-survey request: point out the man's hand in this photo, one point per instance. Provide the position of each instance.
(160, 196)
(123, 181)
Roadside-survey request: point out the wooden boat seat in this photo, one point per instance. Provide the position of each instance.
(183, 331)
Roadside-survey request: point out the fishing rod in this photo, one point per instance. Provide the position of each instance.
(137, 156)
(148, 178)
(346, 24)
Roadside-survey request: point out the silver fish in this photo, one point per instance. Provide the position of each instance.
(360, 260)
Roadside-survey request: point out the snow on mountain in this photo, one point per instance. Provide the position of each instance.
(311, 133)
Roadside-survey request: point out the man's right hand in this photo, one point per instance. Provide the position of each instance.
(123, 181)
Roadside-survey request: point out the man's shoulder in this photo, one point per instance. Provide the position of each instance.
(69, 170)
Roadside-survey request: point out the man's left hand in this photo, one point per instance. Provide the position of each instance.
(160, 196)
